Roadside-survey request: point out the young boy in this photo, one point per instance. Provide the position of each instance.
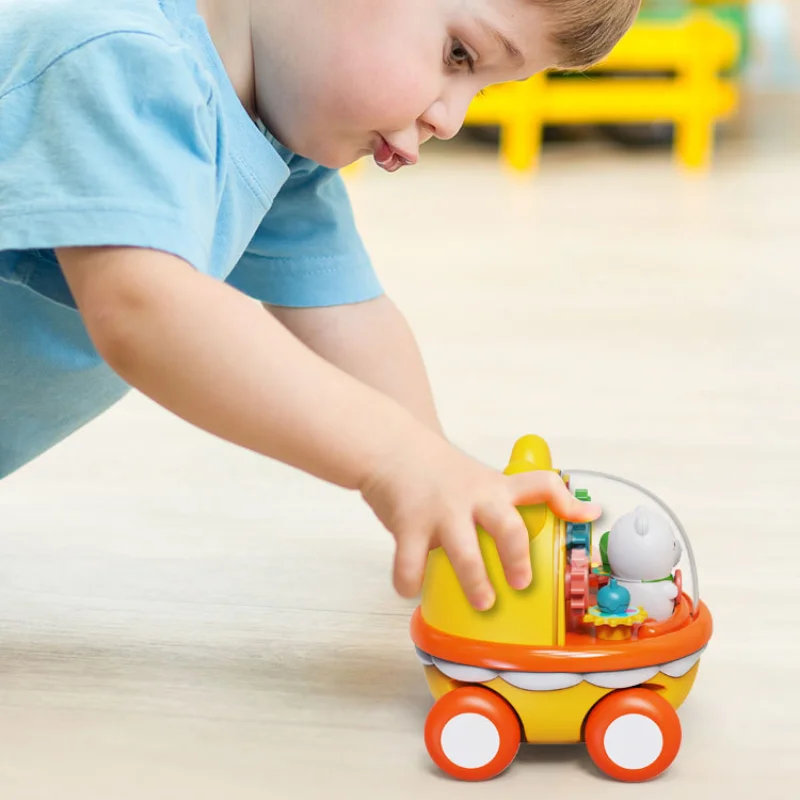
(164, 163)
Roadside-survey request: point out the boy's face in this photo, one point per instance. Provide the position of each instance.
(340, 80)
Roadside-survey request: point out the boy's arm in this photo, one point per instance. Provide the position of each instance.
(209, 354)
(212, 356)
(371, 341)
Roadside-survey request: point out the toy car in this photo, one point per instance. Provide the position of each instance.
(602, 648)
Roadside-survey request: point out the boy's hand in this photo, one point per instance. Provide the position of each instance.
(434, 496)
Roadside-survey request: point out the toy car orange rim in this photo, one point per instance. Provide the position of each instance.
(578, 657)
(472, 734)
(633, 735)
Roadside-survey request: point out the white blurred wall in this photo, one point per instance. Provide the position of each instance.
(775, 26)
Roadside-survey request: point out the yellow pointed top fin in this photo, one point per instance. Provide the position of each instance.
(529, 453)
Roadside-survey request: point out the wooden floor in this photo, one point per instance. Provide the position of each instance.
(181, 619)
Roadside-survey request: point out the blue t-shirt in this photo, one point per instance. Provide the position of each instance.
(119, 126)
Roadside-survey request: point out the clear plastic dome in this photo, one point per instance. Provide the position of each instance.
(618, 496)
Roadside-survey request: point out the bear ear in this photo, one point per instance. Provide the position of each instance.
(640, 522)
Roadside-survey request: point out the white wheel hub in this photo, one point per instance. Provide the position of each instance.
(633, 741)
(470, 741)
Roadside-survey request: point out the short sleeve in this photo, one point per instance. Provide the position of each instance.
(113, 143)
(307, 251)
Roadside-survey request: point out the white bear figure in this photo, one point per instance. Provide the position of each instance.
(641, 551)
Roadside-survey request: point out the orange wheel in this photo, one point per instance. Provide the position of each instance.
(633, 735)
(472, 733)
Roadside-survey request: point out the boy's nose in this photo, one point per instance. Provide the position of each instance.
(443, 120)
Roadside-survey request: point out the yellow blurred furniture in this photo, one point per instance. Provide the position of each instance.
(696, 49)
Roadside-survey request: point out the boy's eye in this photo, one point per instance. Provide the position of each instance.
(460, 55)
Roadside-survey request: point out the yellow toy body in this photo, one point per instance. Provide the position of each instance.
(546, 665)
(533, 616)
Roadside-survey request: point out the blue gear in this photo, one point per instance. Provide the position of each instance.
(579, 534)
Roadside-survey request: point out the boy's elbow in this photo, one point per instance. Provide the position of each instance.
(114, 325)
(117, 293)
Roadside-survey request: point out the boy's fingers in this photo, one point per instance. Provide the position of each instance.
(544, 486)
(506, 526)
(461, 546)
(409, 565)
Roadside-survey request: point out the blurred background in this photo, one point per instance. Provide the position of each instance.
(680, 79)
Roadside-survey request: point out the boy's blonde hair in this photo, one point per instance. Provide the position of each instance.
(584, 32)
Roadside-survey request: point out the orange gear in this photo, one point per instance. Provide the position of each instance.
(577, 585)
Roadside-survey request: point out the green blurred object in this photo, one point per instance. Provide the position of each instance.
(733, 12)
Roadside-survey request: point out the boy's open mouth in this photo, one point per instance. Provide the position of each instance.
(388, 158)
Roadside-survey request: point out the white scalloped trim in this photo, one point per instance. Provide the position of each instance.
(675, 669)
(621, 679)
(462, 672)
(552, 681)
(542, 681)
